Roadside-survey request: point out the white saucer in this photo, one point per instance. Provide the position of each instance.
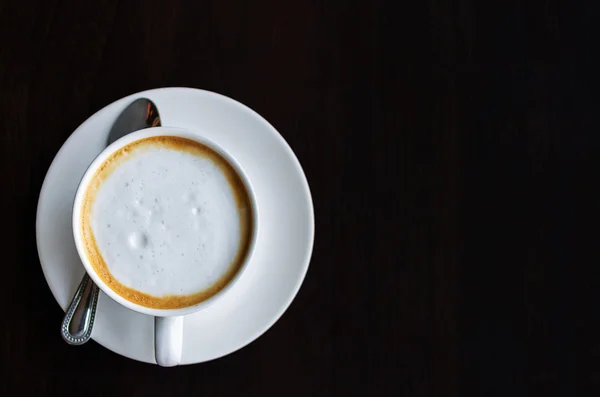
(283, 248)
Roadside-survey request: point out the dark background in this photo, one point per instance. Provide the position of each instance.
(451, 149)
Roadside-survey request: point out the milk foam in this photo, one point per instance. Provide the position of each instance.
(166, 222)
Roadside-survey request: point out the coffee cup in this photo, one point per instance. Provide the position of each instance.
(165, 223)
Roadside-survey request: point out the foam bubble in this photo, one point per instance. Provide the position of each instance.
(137, 240)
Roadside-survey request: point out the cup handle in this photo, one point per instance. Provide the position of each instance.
(168, 340)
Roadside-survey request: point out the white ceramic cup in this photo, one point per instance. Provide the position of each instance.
(168, 323)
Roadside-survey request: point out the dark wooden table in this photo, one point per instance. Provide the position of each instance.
(452, 150)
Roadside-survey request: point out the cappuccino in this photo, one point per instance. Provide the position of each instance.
(166, 222)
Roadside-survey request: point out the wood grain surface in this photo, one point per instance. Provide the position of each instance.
(452, 152)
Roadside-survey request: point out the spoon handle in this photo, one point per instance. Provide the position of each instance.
(77, 325)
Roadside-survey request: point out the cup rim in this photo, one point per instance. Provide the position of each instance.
(90, 171)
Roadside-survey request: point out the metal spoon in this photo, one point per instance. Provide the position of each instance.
(76, 328)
